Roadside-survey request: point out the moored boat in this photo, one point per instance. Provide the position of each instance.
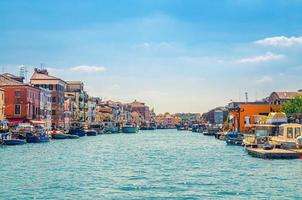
(13, 142)
(36, 138)
(91, 133)
(110, 127)
(7, 139)
(233, 138)
(72, 136)
(97, 127)
(59, 136)
(76, 128)
(129, 128)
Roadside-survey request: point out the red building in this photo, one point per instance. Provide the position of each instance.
(22, 101)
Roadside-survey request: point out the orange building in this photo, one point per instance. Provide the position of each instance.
(243, 115)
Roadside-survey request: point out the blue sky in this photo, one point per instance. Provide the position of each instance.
(175, 55)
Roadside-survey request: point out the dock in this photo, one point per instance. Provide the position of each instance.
(275, 153)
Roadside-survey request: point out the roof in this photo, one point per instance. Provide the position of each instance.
(288, 95)
(290, 125)
(43, 75)
(7, 81)
(137, 103)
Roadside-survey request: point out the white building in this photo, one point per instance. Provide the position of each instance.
(45, 107)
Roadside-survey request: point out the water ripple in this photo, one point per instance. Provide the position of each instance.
(163, 164)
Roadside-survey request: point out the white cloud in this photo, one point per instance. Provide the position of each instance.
(281, 41)
(88, 68)
(261, 58)
(265, 79)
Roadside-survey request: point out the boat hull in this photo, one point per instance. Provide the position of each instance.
(78, 132)
(73, 136)
(129, 129)
(91, 133)
(14, 142)
(37, 139)
(59, 136)
(110, 130)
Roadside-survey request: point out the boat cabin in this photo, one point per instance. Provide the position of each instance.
(288, 133)
(76, 125)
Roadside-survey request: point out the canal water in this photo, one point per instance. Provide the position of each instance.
(162, 164)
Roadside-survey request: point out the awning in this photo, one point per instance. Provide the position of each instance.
(36, 122)
(14, 120)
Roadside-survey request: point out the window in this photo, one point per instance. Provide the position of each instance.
(297, 132)
(289, 132)
(54, 99)
(17, 109)
(53, 112)
(17, 94)
(50, 87)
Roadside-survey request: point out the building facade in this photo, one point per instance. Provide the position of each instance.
(244, 114)
(45, 107)
(278, 98)
(141, 109)
(79, 100)
(22, 101)
(41, 78)
(67, 112)
(2, 105)
(91, 113)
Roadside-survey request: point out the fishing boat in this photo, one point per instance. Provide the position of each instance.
(76, 128)
(129, 128)
(91, 133)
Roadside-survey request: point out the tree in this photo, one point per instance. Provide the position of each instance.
(293, 105)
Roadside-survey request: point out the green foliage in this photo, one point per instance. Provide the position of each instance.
(293, 105)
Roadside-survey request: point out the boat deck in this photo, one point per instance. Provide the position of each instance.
(275, 153)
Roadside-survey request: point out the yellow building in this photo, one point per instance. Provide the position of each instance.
(2, 116)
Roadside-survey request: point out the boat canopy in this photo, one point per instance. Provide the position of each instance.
(277, 117)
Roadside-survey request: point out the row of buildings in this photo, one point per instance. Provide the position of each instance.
(240, 116)
(56, 103)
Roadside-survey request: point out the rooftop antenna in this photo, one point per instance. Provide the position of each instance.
(246, 97)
